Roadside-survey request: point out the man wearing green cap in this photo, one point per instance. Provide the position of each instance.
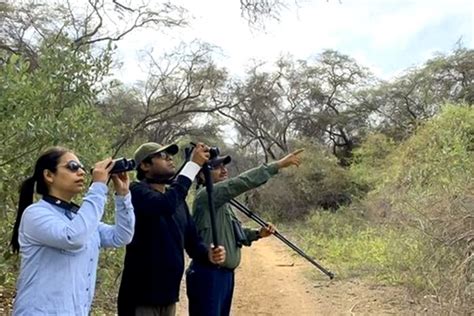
(210, 287)
(154, 260)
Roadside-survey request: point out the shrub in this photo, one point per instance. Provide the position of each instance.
(369, 165)
(318, 182)
(430, 190)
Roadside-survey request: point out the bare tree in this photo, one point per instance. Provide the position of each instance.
(25, 25)
(318, 100)
(177, 98)
(257, 12)
(260, 114)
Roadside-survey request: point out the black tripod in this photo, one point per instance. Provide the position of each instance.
(262, 223)
(206, 169)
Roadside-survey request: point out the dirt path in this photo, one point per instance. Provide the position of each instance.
(273, 281)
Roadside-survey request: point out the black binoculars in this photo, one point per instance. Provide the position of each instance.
(214, 152)
(123, 165)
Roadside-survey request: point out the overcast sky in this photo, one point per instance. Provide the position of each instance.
(388, 36)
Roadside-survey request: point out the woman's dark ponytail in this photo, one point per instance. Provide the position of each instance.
(47, 161)
(27, 191)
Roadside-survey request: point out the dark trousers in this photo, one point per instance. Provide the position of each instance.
(168, 310)
(209, 289)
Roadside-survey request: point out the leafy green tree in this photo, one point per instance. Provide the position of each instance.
(402, 105)
(53, 60)
(51, 105)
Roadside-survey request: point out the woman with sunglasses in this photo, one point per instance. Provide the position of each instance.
(59, 241)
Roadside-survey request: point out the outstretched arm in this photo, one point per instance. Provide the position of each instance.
(226, 190)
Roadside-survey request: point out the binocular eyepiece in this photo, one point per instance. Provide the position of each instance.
(123, 165)
(214, 152)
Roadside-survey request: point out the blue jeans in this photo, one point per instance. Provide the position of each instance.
(209, 289)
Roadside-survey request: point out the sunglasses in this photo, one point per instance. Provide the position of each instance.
(74, 166)
(163, 155)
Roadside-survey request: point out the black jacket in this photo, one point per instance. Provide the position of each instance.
(154, 260)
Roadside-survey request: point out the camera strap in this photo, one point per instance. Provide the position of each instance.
(68, 206)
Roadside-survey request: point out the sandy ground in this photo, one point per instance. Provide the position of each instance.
(271, 280)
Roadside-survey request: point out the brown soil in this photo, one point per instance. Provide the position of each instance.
(271, 280)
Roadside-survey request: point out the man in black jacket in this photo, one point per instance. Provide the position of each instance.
(154, 260)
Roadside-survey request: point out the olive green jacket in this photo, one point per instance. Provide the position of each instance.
(223, 192)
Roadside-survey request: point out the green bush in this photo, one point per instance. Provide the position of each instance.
(427, 191)
(439, 156)
(318, 182)
(369, 164)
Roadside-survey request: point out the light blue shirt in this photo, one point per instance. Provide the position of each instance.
(60, 251)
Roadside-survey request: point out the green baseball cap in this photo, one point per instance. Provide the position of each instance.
(147, 149)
